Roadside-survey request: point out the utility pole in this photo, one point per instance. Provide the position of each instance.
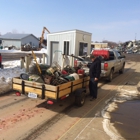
(135, 36)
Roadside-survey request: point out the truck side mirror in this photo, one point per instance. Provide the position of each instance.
(122, 56)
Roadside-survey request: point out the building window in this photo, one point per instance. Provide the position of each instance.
(66, 47)
(92, 47)
(83, 49)
(31, 43)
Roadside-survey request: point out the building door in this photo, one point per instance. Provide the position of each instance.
(54, 52)
(66, 47)
(83, 48)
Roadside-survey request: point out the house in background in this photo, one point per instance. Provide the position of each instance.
(18, 40)
(99, 45)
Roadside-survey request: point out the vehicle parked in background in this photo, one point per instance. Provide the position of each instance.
(129, 52)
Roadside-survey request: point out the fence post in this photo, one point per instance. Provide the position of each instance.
(27, 63)
(29, 60)
(44, 56)
(22, 62)
(63, 59)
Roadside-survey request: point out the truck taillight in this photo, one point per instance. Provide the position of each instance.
(105, 66)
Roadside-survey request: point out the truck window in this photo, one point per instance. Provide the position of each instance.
(118, 54)
(111, 55)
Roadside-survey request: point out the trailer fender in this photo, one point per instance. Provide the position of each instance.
(78, 92)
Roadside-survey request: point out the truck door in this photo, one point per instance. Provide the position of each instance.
(54, 48)
(118, 62)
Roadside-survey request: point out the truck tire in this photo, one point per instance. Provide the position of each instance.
(80, 100)
(110, 77)
(122, 69)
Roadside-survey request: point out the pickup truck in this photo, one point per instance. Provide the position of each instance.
(114, 63)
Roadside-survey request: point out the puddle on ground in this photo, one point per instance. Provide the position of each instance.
(126, 119)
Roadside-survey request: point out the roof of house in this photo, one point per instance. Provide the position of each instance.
(15, 36)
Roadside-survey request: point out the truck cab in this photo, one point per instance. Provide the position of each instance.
(115, 63)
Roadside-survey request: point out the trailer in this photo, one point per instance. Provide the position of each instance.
(53, 93)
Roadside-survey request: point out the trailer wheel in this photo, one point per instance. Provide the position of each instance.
(110, 77)
(80, 100)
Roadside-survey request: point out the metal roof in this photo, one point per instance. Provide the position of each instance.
(15, 36)
(74, 30)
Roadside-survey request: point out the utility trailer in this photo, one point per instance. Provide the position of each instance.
(53, 93)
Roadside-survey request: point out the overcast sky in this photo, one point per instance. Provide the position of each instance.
(113, 20)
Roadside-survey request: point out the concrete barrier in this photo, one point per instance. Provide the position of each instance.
(26, 61)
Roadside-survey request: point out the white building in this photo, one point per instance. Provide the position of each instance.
(99, 45)
(74, 42)
(19, 39)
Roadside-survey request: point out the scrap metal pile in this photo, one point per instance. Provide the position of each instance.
(53, 75)
(131, 46)
(28, 47)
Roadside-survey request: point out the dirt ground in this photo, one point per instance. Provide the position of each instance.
(114, 115)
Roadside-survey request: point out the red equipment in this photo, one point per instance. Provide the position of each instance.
(81, 71)
(104, 53)
(18, 93)
(75, 63)
(64, 72)
(50, 102)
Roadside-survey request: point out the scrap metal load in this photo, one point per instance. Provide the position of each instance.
(53, 82)
(53, 75)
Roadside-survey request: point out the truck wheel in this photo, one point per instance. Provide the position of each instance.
(80, 100)
(110, 77)
(121, 70)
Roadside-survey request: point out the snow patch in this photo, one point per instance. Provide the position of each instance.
(11, 69)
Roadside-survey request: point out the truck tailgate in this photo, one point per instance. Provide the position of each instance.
(102, 66)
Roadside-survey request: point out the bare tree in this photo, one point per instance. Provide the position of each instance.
(9, 33)
(14, 31)
(110, 43)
